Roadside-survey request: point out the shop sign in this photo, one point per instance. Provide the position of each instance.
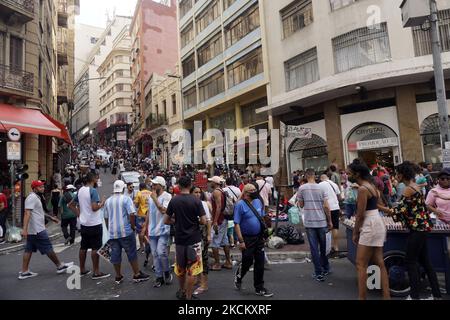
(445, 155)
(447, 145)
(376, 144)
(13, 151)
(121, 136)
(299, 132)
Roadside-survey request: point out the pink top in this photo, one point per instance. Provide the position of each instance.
(440, 198)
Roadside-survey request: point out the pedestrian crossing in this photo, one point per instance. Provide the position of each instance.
(61, 247)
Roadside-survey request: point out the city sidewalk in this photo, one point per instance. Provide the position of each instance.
(54, 232)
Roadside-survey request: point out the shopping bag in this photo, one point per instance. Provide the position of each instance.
(293, 200)
(105, 238)
(294, 215)
(328, 246)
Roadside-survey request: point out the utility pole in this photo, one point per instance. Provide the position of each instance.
(439, 74)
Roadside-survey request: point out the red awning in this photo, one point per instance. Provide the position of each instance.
(31, 121)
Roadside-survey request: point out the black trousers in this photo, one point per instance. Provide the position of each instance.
(417, 255)
(3, 217)
(253, 254)
(72, 222)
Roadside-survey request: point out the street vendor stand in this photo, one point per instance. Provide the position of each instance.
(395, 253)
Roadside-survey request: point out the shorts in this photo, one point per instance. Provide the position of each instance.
(220, 239)
(189, 260)
(40, 242)
(230, 231)
(126, 243)
(91, 237)
(373, 231)
(335, 215)
(139, 223)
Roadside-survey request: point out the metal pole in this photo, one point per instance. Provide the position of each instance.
(13, 194)
(439, 74)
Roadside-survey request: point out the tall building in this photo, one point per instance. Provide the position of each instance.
(361, 82)
(224, 63)
(35, 77)
(154, 51)
(115, 92)
(86, 114)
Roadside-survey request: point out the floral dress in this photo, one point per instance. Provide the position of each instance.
(413, 214)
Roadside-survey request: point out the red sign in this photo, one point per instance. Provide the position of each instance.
(201, 180)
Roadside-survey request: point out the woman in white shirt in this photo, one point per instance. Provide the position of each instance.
(206, 239)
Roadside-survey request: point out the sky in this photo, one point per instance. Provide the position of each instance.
(93, 12)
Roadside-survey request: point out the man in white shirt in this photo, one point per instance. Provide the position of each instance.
(264, 191)
(333, 192)
(270, 182)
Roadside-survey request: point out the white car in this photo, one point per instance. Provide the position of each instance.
(102, 154)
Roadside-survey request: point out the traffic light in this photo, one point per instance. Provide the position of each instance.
(21, 172)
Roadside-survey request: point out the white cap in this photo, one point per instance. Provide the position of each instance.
(216, 180)
(159, 180)
(70, 187)
(119, 185)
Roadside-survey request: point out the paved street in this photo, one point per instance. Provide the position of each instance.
(289, 281)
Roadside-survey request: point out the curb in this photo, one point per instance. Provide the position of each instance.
(21, 246)
(273, 256)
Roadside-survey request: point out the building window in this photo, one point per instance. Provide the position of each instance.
(174, 104)
(227, 3)
(164, 110)
(302, 70)
(2, 47)
(212, 86)
(188, 65)
(210, 50)
(245, 68)
(296, 16)
(361, 47)
(422, 39)
(189, 98)
(337, 4)
(210, 14)
(16, 53)
(242, 26)
(185, 6)
(187, 35)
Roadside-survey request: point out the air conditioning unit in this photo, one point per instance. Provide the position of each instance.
(415, 12)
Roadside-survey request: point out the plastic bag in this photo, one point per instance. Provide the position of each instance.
(276, 243)
(293, 200)
(294, 215)
(14, 234)
(328, 246)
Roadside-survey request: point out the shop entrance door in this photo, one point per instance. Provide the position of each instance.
(382, 157)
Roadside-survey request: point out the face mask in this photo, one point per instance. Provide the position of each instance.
(254, 195)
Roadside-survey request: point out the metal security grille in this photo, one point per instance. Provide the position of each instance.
(361, 47)
(296, 16)
(422, 39)
(302, 70)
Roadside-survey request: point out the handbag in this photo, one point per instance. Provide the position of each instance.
(264, 229)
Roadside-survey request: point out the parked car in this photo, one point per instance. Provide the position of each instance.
(130, 176)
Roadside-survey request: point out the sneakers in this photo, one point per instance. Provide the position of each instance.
(100, 276)
(67, 241)
(64, 267)
(319, 277)
(26, 275)
(119, 280)
(237, 279)
(145, 263)
(158, 283)
(2, 241)
(153, 268)
(326, 273)
(168, 278)
(264, 293)
(141, 277)
(85, 273)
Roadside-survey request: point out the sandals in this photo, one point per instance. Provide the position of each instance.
(199, 290)
(215, 268)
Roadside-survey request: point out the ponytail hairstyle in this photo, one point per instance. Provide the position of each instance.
(359, 166)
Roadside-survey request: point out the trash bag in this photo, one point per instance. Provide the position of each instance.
(275, 243)
(290, 234)
(294, 215)
(14, 234)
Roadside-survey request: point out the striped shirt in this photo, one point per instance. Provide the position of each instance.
(313, 197)
(118, 209)
(156, 226)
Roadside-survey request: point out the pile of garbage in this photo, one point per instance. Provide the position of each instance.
(290, 234)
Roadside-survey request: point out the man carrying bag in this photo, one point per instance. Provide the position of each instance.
(251, 231)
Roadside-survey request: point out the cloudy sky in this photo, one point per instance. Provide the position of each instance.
(93, 12)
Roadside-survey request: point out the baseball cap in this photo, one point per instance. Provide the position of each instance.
(444, 172)
(70, 187)
(36, 184)
(216, 180)
(119, 185)
(159, 180)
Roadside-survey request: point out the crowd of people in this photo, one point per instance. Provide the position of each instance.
(232, 210)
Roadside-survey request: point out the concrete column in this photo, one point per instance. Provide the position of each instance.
(409, 124)
(43, 157)
(334, 134)
(281, 178)
(31, 158)
(49, 158)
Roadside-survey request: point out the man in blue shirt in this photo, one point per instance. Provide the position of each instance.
(120, 216)
(249, 231)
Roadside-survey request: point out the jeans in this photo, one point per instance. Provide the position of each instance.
(350, 210)
(317, 240)
(417, 253)
(254, 252)
(158, 246)
(72, 222)
(128, 244)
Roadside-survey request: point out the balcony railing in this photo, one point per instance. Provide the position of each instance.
(26, 5)
(156, 121)
(17, 79)
(24, 9)
(62, 43)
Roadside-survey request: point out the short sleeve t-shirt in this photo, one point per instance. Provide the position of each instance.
(3, 200)
(141, 201)
(265, 190)
(331, 190)
(66, 212)
(37, 220)
(85, 197)
(244, 216)
(118, 209)
(187, 210)
(438, 197)
(157, 227)
(313, 197)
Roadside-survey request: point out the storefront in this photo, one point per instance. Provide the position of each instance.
(431, 140)
(308, 153)
(375, 143)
